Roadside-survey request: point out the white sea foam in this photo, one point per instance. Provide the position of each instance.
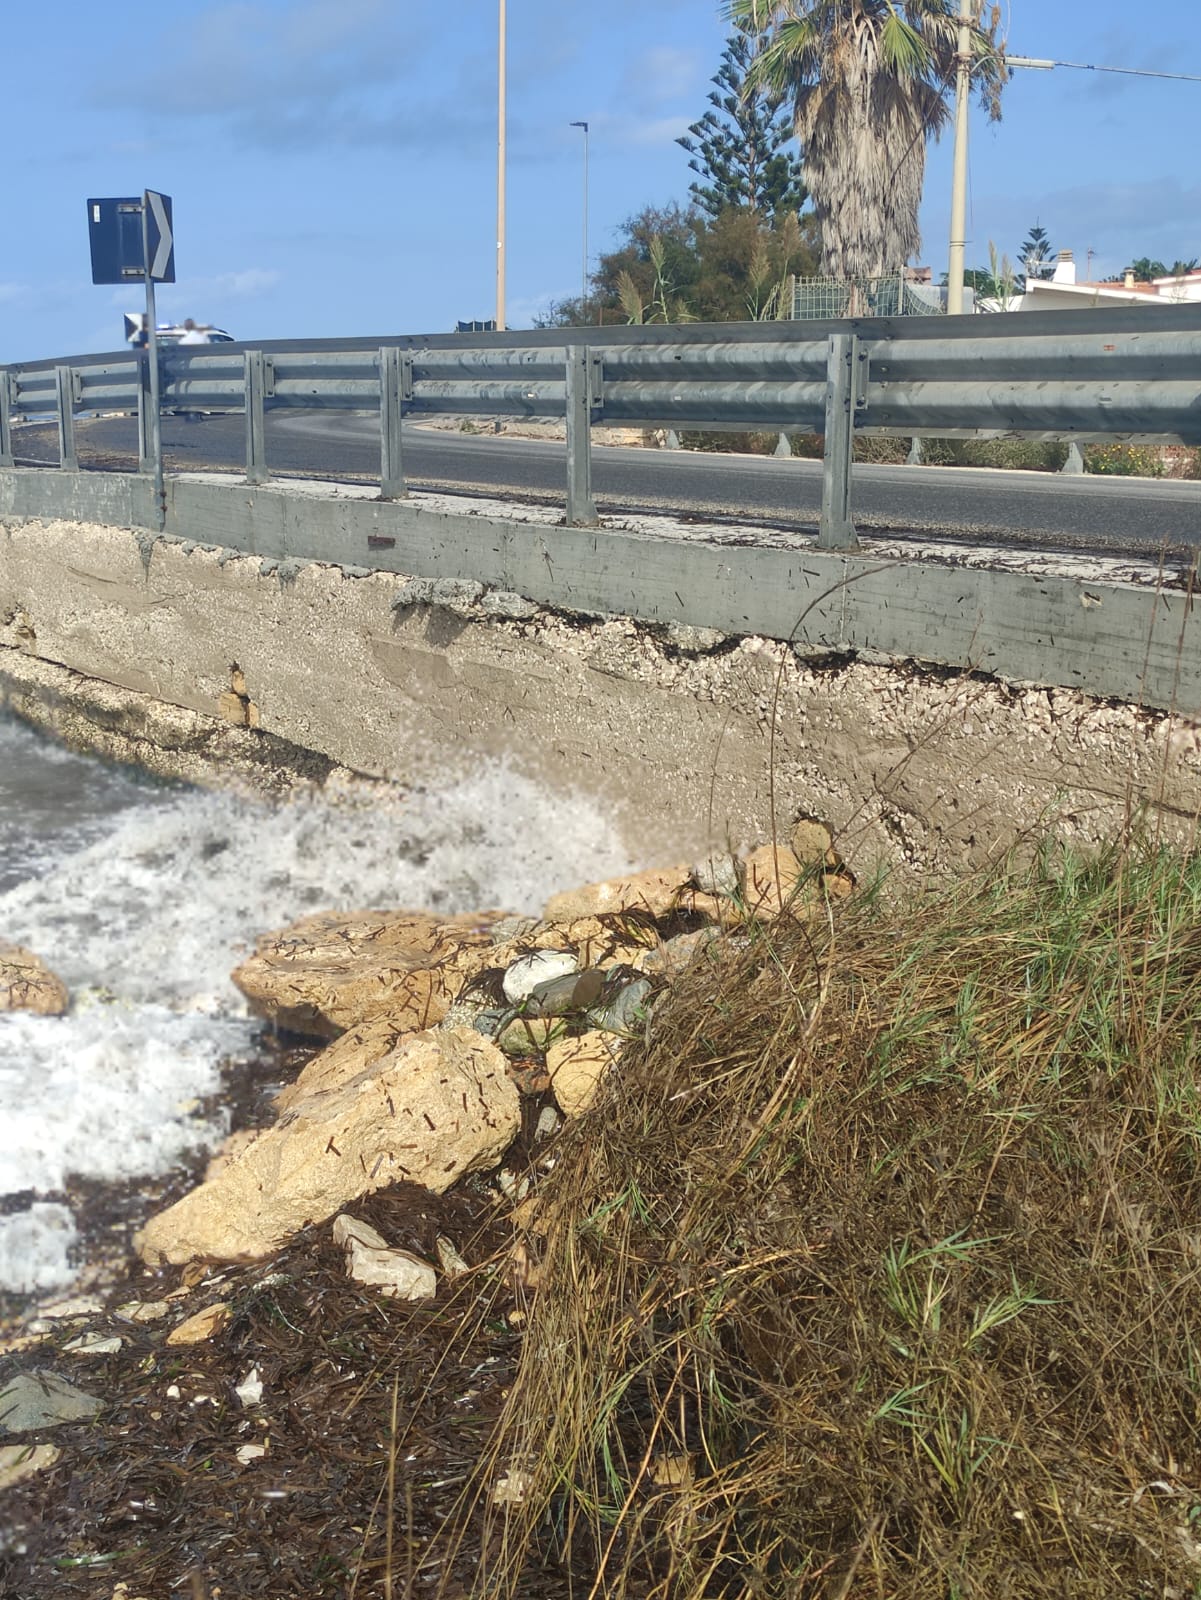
(35, 1249)
(145, 923)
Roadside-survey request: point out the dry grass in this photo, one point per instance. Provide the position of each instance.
(880, 1273)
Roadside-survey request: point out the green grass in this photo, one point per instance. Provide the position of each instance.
(912, 1283)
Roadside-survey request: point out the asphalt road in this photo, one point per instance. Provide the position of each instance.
(1106, 515)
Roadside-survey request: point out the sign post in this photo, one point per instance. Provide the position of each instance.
(134, 239)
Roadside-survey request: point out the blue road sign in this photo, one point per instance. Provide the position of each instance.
(121, 251)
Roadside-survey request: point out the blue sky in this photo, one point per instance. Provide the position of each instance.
(332, 162)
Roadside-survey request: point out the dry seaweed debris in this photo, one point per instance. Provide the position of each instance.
(359, 1394)
(878, 1275)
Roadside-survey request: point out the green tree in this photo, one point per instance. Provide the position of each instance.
(675, 264)
(869, 82)
(1037, 255)
(737, 148)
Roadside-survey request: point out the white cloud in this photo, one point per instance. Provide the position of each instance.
(244, 285)
(658, 131)
(660, 75)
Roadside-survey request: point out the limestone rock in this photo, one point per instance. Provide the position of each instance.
(41, 1399)
(656, 892)
(813, 844)
(626, 1013)
(771, 876)
(371, 1260)
(326, 972)
(19, 1461)
(529, 1036)
(717, 874)
(348, 1056)
(526, 974)
(27, 983)
(672, 957)
(437, 1106)
(202, 1326)
(94, 1344)
(577, 1067)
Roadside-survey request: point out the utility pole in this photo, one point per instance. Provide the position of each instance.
(500, 172)
(584, 265)
(963, 90)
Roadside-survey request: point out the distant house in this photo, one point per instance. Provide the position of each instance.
(1063, 293)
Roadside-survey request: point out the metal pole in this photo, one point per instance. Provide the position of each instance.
(584, 266)
(156, 420)
(581, 508)
(963, 87)
(256, 438)
(836, 530)
(6, 421)
(500, 172)
(391, 409)
(65, 394)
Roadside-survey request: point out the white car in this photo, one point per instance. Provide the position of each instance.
(173, 332)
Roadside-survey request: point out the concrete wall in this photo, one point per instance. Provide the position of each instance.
(692, 737)
(1063, 623)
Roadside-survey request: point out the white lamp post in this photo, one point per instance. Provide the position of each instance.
(584, 266)
(500, 171)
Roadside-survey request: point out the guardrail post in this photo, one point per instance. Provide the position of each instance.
(395, 387)
(6, 420)
(64, 386)
(836, 531)
(1073, 467)
(145, 415)
(256, 433)
(581, 398)
(916, 454)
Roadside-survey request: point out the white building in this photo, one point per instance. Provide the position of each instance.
(1063, 293)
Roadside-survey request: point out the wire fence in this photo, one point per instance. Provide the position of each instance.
(894, 295)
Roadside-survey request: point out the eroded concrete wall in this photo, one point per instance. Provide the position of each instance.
(199, 662)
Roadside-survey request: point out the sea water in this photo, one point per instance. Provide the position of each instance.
(143, 896)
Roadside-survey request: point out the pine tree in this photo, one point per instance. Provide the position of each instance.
(1037, 255)
(738, 146)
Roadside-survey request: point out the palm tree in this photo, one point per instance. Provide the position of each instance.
(869, 82)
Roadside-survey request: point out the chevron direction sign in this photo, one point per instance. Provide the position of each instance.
(132, 239)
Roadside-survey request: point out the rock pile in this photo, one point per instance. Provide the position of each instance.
(441, 1029)
(448, 1040)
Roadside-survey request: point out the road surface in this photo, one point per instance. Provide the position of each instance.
(1104, 515)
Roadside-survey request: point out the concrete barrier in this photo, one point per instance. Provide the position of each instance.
(885, 703)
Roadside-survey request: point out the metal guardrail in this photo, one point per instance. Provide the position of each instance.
(1083, 376)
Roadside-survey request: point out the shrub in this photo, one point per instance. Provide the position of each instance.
(1120, 460)
(877, 1272)
(1025, 455)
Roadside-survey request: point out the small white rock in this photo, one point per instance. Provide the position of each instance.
(347, 1228)
(251, 1452)
(452, 1262)
(512, 1489)
(94, 1344)
(524, 976)
(395, 1273)
(250, 1390)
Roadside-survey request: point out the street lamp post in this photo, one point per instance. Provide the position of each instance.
(963, 89)
(584, 265)
(500, 171)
